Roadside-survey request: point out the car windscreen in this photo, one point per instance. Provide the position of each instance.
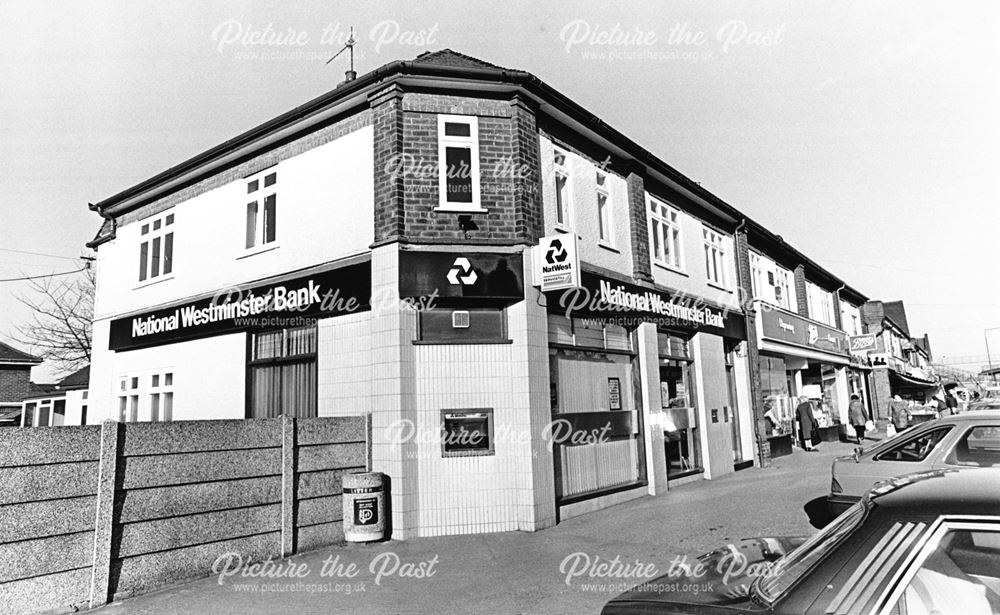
(793, 567)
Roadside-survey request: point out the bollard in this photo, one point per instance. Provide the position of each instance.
(364, 507)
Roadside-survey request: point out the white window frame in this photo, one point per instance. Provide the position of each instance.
(662, 217)
(563, 207)
(756, 275)
(782, 281)
(156, 234)
(716, 255)
(605, 214)
(137, 394)
(257, 193)
(472, 143)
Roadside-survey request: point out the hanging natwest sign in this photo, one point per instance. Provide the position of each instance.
(557, 262)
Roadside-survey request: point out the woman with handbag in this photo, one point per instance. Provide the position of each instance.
(808, 427)
(859, 417)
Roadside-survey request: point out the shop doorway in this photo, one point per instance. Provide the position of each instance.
(733, 407)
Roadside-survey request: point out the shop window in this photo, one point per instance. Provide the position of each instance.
(665, 235)
(458, 153)
(605, 231)
(916, 449)
(467, 432)
(470, 325)
(564, 198)
(282, 373)
(716, 265)
(588, 333)
(261, 222)
(156, 247)
(28, 420)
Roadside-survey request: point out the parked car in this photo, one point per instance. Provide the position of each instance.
(989, 401)
(924, 543)
(970, 439)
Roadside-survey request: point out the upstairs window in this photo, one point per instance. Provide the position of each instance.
(605, 231)
(756, 275)
(262, 195)
(458, 156)
(715, 258)
(156, 250)
(564, 199)
(665, 235)
(782, 288)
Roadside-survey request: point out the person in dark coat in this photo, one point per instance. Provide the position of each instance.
(859, 416)
(807, 423)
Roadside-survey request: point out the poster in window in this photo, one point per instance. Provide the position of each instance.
(614, 393)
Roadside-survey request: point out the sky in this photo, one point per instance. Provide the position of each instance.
(865, 133)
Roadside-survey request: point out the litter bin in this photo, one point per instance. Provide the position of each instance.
(364, 507)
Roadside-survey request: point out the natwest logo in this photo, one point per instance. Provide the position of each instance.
(557, 263)
(461, 272)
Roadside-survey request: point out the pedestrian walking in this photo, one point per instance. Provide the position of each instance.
(808, 427)
(951, 401)
(859, 417)
(899, 414)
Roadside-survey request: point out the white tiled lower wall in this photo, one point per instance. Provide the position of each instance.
(344, 378)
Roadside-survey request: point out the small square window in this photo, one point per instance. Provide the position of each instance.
(252, 186)
(270, 179)
(156, 224)
(454, 129)
(145, 229)
(168, 379)
(156, 380)
(170, 219)
(135, 382)
(467, 432)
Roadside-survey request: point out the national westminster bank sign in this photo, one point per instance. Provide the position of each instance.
(285, 302)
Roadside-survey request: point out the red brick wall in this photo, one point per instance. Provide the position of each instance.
(406, 127)
(753, 352)
(13, 383)
(638, 235)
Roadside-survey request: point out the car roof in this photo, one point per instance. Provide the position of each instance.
(947, 491)
(978, 415)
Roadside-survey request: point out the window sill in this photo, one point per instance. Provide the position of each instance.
(671, 269)
(267, 247)
(459, 342)
(560, 227)
(461, 209)
(720, 287)
(608, 247)
(154, 281)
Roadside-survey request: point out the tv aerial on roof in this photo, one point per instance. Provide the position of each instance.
(350, 74)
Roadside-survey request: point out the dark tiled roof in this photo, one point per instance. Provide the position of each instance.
(78, 379)
(9, 354)
(447, 57)
(896, 312)
(40, 390)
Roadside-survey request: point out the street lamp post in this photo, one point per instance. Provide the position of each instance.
(989, 359)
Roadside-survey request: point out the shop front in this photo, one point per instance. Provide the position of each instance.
(800, 357)
(656, 370)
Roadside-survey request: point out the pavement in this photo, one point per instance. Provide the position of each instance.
(569, 568)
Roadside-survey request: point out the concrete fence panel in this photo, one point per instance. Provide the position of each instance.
(97, 513)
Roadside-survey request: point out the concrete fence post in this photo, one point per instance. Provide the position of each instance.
(287, 485)
(111, 432)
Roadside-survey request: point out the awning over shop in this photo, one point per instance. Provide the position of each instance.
(911, 381)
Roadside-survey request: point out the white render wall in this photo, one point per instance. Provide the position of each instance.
(209, 376)
(325, 211)
(615, 255)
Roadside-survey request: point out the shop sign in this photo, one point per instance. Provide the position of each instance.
(557, 262)
(467, 275)
(863, 343)
(629, 304)
(614, 394)
(285, 303)
(781, 326)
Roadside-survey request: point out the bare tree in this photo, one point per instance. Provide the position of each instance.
(61, 322)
